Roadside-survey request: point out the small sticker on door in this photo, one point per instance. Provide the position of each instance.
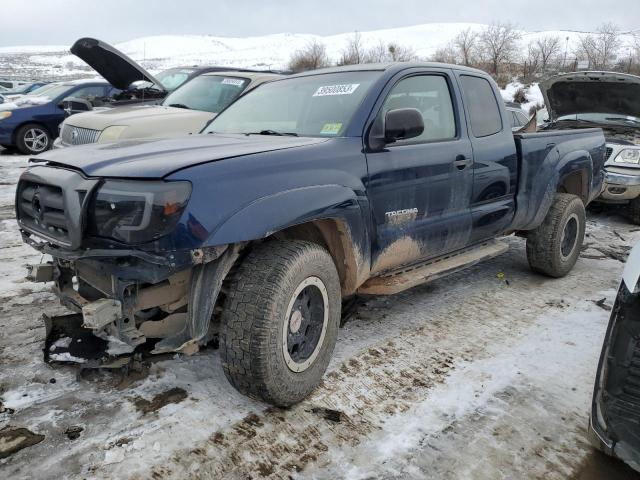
(346, 89)
(331, 129)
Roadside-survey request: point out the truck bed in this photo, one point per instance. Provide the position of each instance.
(552, 158)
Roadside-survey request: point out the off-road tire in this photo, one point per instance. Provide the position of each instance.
(23, 143)
(544, 244)
(253, 320)
(633, 211)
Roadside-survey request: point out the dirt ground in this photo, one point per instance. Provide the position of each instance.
(486, 374)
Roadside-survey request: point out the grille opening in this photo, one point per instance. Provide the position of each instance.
(41, 208)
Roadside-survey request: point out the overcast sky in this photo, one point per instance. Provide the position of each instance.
(46, 22)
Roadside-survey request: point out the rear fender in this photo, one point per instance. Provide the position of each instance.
(534, 203)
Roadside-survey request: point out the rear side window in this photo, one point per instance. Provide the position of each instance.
(482, 106)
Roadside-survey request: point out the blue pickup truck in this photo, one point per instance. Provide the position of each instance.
(365, 179)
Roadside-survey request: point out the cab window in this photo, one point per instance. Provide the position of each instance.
(430, 95)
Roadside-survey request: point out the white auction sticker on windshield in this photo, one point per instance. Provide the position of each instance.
(346, 89)
(233, 81)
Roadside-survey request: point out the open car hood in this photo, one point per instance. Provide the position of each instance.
(592, 92)
(118, 69)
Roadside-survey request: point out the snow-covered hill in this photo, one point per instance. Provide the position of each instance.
(269, 51)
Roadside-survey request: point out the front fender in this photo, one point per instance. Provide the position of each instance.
(272, 213)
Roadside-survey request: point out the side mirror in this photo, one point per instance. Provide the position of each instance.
(402, 123)
(73, 105)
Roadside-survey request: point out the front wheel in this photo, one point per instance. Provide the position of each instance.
(280, 321)
(554, 247)
(32, 139)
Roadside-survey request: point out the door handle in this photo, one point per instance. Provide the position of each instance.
(461, 162)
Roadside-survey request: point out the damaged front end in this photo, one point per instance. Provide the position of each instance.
(124, 296)
(615, 417)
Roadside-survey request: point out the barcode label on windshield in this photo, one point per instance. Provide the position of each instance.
(233, 81)
(346, 89)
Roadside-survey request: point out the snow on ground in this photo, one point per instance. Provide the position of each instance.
(481, 375)
(268, 51)
(532, 93)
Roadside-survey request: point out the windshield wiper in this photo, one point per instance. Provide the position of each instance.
(179, 105)
(273, 132)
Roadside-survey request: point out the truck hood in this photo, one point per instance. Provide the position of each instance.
(134, 115)
(157, 158)
(592, 92)
(118, 69)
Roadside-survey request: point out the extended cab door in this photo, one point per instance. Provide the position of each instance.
(494, 154)
(420, 188)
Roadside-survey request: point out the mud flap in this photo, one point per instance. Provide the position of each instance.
(68, 342)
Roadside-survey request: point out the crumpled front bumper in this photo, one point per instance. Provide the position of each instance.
(621, 185)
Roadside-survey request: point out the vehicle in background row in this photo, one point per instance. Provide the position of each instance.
(137, 85)
(24, 89)
(518, 118)
(185, 110)
(365, 179)
(615, 409)
(31, 123)
(610, 101)
(11, 84)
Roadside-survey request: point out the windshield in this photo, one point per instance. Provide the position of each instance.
(210, 93)
(53, 92)
(174, 77)
(42, 89)
(311, 106)
(605, 118)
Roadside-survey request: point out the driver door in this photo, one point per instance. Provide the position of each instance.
(420, 188)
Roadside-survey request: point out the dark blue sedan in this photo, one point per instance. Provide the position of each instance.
(31, 123)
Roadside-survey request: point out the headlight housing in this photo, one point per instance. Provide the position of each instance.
(137, 211)
(111, 134)
(628, 155)
(4, 115)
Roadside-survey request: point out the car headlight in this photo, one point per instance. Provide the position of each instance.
(137, 211)
(628, 155)
(111, 134)
(4, 115)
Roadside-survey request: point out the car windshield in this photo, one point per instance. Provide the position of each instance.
(311, 106)
(210, 93)
(174, 77)
(41, 90)
(53, 92)
(605, 118)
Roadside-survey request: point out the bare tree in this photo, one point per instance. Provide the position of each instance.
(446, 54)
(532, 62)
(600, 48)
(549, 48)
(466, 42)
(400, 53)
(354, 52)
(376, 54)
(499, 42)
(310, 57)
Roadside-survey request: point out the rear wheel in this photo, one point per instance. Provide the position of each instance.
(32, 139)
(553, 248)
(280, 321)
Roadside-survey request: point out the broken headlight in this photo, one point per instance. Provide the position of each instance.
(628, 155)
(137, 212)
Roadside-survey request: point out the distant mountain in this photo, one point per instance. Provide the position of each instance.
(269, 51)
